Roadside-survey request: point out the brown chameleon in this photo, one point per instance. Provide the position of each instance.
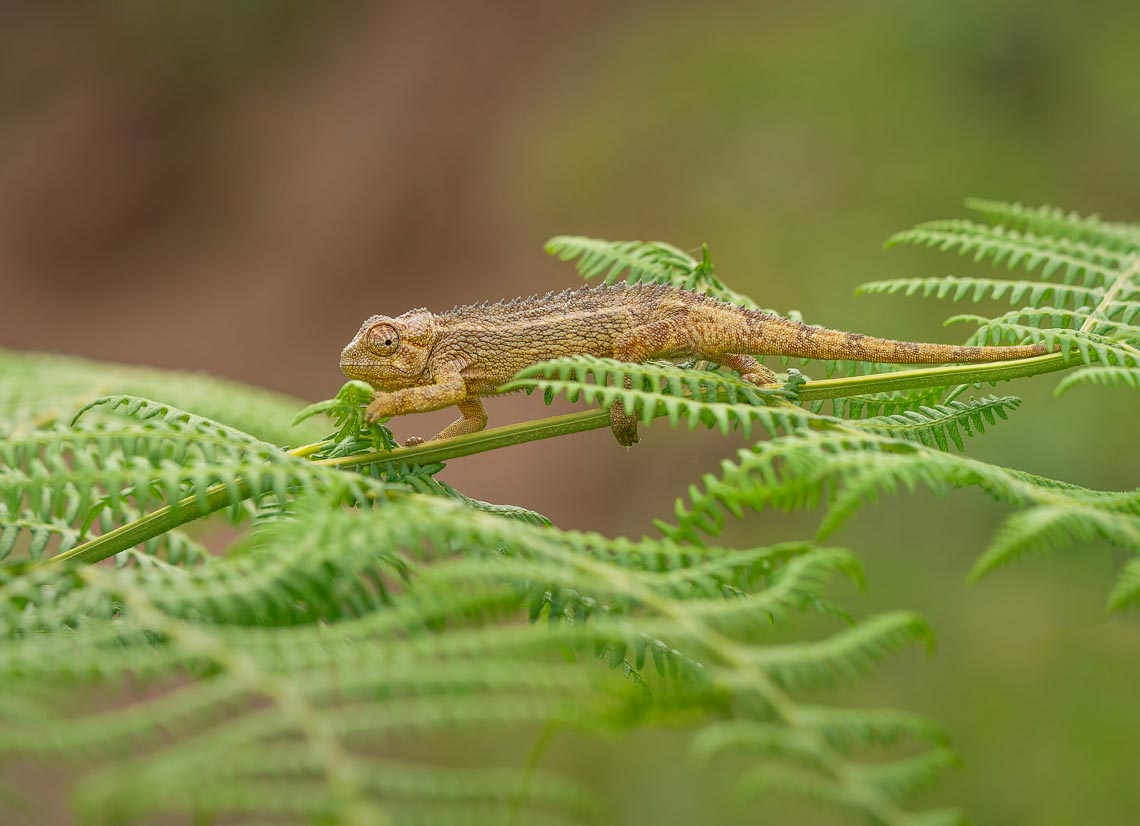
(422, 361)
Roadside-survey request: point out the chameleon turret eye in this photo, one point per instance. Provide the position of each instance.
(383, 339)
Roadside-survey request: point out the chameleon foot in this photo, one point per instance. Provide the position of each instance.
(623, 425)
(761, 375)
(412, 441)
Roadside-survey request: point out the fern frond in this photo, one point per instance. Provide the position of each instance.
(641, 262)
(37, 390)
(846, 728)
(62, 481)
(701, 397)
(846, 473)
(845, 656)
(1081, 321)
(1090, 348)
(1106, 376)
(1014, 250)
(1047, 527)
(870, 405)
(932, 425)
(827, 792)
(1126, 591)
(405, 619)
(1034, 293)
(909, 776)
(1054, 221)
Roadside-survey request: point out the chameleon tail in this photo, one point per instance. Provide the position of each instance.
(771, 334)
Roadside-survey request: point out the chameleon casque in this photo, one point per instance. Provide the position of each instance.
(422, 361)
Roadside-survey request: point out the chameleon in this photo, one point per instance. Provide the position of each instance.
(422, 361)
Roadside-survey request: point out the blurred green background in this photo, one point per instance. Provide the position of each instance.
(232, 187)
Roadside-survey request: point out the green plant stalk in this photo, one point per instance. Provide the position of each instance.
(218, 496)
(936, 377)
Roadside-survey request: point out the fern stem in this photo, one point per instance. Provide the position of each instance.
(147, 527)
(304, 451)
(935, 377)
(484, 440)
(219, 496)
(1130, 272)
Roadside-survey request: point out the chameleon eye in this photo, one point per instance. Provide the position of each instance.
(383, 339)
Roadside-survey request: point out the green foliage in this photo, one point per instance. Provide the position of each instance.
(1085, 302)
(646, 263)
(37, 389)
(367, 606)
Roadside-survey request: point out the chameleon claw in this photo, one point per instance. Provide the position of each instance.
(412, 441)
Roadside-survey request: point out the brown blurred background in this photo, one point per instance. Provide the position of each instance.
(232, 187)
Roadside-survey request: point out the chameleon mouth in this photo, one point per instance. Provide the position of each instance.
(381, 379)
(353, 369)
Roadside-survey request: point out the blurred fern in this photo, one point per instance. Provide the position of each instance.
(368, 602)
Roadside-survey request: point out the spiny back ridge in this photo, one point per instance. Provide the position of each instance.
(572, 299)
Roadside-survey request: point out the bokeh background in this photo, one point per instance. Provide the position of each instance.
(232, 187)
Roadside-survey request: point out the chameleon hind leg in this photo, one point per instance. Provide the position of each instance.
(747, 366)
(665, 339)
(638, 345)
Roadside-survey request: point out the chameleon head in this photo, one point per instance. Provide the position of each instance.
(390, 353)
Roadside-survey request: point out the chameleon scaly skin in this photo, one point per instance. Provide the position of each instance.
(422, 361)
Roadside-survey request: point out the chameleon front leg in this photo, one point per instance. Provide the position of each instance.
(449, 389)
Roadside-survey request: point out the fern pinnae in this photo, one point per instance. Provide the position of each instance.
(1054, 221)
(849, 728)
(871, 405)
(1105, 376)
(846, 655)
(1126, 590)
(1075, 260)
(641, 262)
(654, 389)
(1080, 344)
(1043, 528)
(1042, 242)
(955, 288)
(932, 425)
(910, 775)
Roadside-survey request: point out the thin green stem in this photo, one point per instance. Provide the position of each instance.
(305, 451)
(219, 496)
(941, 376)
(1121, 281)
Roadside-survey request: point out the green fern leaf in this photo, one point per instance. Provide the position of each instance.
(640, 262)
(1054, 221)
(1126, 591)
(701, 397)
(1106, 376)
(1014, 250)
(931, 426)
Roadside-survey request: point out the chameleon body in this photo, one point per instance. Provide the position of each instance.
(422, 361)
